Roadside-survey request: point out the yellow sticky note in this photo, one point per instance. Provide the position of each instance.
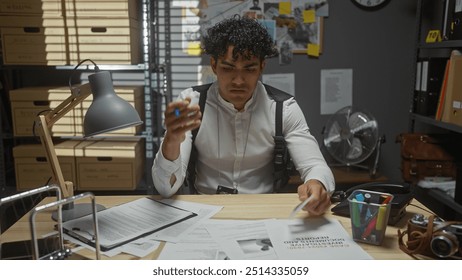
(285, 8)
(194, 48)
(309, 16)
(312, 50)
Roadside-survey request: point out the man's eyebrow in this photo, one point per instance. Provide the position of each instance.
(227, 63)
(252, 64)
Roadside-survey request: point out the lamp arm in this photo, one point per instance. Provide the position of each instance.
(47, 142)
(78, 95)
(44, 124)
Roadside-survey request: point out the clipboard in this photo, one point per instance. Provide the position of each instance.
(126, 222)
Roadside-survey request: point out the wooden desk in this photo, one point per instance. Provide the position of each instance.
(242, 206)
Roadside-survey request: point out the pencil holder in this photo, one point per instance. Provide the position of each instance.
(369, 212)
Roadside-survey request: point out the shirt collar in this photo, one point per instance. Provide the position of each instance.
(247, 105)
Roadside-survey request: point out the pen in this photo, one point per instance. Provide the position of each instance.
(370, 226)
(176, 112)
(299, 207)
(386, 200)
(365, 208)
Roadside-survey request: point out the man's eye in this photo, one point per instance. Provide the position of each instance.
(251, 69)
(228, 69)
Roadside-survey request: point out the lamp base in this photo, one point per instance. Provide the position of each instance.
(77, 211)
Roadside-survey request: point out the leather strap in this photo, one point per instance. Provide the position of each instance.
(420, 241)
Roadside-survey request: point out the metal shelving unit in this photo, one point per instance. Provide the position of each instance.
(155, 87)
(5, 135)
(2, 161)
(430, 16)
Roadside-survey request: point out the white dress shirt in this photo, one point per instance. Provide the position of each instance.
(235, 149)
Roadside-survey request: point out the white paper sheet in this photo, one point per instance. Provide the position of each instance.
(196, 245)
(283, 81)
(242, 239)
(317, 238)
(336, 90)
(175, 232)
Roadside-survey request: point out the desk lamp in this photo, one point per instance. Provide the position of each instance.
(106, 113)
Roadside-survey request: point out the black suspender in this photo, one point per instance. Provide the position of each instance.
(191, 170)
(281, 158)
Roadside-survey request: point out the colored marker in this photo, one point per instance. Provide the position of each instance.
(387, 200)
(355, 213)
(370, 226)
(381, 216)
(365, 208)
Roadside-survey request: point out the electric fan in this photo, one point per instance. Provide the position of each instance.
(351, 136)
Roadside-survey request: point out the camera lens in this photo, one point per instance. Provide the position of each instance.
(442, 246)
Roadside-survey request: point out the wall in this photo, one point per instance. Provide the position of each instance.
(379, 47)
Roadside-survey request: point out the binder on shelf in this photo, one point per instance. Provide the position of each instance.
(418, 83)
(439, 109)
(454, 19)
(418, 76)
(447, 19)
(452, 108)
(431, 78)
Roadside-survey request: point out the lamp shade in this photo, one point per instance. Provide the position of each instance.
(108, 111)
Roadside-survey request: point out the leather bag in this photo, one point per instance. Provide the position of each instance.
(427, 155)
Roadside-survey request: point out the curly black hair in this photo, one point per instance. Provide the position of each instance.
(247, 35)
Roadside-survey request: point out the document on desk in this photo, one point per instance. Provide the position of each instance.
(176, 232)
(123, 223)
(315, 238)
(196, 245)
(242, 239)
(223, 240)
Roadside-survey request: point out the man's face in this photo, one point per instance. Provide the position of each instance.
(238, 78)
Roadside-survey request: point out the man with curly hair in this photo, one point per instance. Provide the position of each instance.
(235, 142)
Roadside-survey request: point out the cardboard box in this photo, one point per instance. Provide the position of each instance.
(72, 8)
(27, 102)
(105, 41)
(38, 21)
(44, 8)
(32, 168)
(59, 41)
(110, 165)
(103, 8)
(34, 46)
